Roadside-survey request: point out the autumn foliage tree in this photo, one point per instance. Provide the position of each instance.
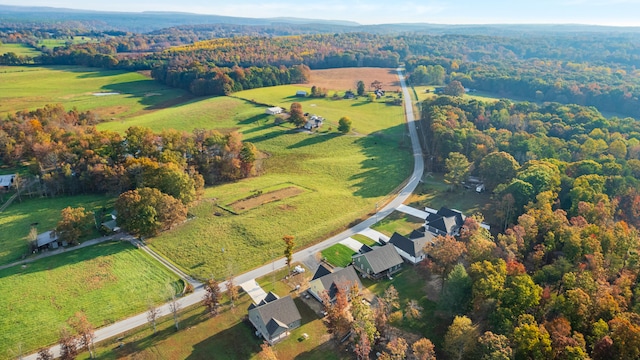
(81, 325)
(296, 116)
(147, 211)
(288, 250)
(211, 297)
(74, 223)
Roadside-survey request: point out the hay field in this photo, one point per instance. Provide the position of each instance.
(347, 78)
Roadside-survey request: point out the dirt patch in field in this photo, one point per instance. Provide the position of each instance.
(257, 200)
(347, 78)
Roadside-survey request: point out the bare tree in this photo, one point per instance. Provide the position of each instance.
(44, 354)
(174, 307)
(85, 331)
(68, 345)
(232, 290)
(152, 315)
(211, 298)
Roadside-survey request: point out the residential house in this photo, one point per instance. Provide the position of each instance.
(274, 317)
(329, 280)
(379, 262)
(301, 93)
(349, 94)
(445, 222)
(274, 110)
(411, 249)
(314, 122)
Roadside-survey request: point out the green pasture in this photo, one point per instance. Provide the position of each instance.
(29, 88)
(367, 117)
(52, 43)
(223, 113)
(18, 49)
(108, 282)
(16, 220)
(422, 93)
(344, 174)
(338, 255)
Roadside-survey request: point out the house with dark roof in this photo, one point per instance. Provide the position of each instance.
(445, 222)
(379, 262)
(274, 317)
(328, 280)
(411, 249)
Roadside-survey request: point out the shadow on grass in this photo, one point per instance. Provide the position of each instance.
(236, 342)
(258, 128)
(312, 140)
(70, 256)
(323, 352)
(388, 162)
(141, 90)
(252, 119)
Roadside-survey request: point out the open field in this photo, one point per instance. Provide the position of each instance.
(346, 175)
(28, 88)
(51, 43)
(38, 298)
(16, 220)
(338, 255)
(478, 95)
(347, 78)
(222, 113)
(367, 117)
(18, 49)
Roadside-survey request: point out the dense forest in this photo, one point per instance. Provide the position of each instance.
(561, 280)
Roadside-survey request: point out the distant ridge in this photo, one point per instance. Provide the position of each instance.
(148, 21)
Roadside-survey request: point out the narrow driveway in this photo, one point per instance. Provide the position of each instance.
(302, 255)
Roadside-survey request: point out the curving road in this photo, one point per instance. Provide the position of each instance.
(305, 255)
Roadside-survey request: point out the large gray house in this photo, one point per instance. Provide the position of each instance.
(274, 317)
(379, 262)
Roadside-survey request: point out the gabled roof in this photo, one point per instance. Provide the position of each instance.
(382, 258)
(446, 220)
(322, 271)
(277, 313)
(331, 281)
(46, 238)
(413, 246)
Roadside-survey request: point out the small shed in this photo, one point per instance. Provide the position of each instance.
(6, 181)
(273, 110)
(301, 93)
(48, 239)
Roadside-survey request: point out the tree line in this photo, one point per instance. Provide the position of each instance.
(165, 171)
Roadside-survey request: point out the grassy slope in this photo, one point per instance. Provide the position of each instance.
(346, 175)
(18, 49)
(15, 221)
(33, 87)
(38, 299)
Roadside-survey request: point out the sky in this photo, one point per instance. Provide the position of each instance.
(595, 12)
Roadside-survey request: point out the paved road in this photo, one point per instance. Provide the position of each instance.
(302, 255)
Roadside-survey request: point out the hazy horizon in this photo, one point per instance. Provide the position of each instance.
(588, 12)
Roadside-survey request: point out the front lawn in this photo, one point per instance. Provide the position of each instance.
(398, 222)
(338, 255)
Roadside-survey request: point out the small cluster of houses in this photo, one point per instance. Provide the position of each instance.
(273, 317)
(313, 122)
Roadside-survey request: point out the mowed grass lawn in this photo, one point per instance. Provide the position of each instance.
(32, 87)
(108, 281)
(338, 255)
(16, 220)
(344, 176)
